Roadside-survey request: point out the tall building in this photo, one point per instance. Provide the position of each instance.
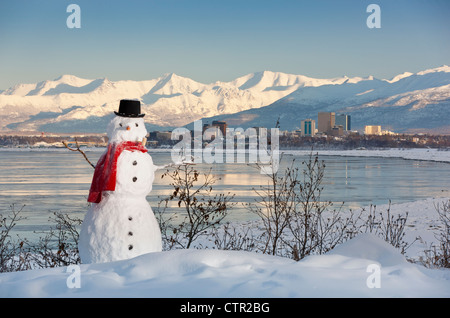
(212, 132)
(326, 122)
(160, 135)
(222, 125)
(344, 121)
(337, 131)
(308, 127)
(372, 130)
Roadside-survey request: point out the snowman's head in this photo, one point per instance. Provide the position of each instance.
(126, 129)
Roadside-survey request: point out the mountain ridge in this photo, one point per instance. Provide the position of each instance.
(418, 102)
(62, 104)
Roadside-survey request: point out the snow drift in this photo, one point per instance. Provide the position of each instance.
(344, 272)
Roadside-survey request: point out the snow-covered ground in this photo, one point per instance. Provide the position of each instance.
(427, 154)
(365, 266)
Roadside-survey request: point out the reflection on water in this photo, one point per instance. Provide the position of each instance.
(59, 181)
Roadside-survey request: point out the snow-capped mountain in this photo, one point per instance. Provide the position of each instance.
(407, 102)
(72, 104)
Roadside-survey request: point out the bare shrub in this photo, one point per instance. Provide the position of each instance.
(59, 245)
(296, 221)
(12, 255)
(314, 225)
(389, 227)
(274, 207)
(201, 208)
(438, 255)
(442, 257)
(231, 237)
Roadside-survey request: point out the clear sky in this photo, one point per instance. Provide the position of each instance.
(210, 40)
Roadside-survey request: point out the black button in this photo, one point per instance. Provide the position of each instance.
(134, 163)
(134, 179)
(130, 233)
(130, 247)
(130, 218)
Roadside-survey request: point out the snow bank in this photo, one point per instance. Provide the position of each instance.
(345, 272)
(404, 153)
(368, 246)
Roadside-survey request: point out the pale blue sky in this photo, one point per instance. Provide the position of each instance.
(209, 40)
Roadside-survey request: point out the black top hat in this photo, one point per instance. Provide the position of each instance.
(129, 108)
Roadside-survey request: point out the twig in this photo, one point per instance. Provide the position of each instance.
(79, 150)
(176, 165)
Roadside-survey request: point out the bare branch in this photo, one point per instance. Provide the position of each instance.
(79, 150)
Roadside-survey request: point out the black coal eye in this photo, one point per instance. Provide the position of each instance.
(137, 125)
(120, 124)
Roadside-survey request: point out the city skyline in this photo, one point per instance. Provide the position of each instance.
(210, 41)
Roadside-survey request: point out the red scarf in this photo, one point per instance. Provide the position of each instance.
(104, 178)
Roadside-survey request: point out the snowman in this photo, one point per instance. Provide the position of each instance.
(120, 224)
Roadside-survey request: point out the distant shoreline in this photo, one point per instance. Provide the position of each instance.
(423, 154)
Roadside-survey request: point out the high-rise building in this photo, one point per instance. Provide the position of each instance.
(326, 122)
(344, 121)
(337, 131)
(372, 130)
(308, 127)
(222, 125)
(212, 132)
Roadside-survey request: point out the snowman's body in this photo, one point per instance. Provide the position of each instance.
(122, 225)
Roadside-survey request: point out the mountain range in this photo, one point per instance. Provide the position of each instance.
(408, 102)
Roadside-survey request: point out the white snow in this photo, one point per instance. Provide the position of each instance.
(427, 154)
(213, 273)
(349, 270)
(126, 129)
(443, 68)
(173, 100)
